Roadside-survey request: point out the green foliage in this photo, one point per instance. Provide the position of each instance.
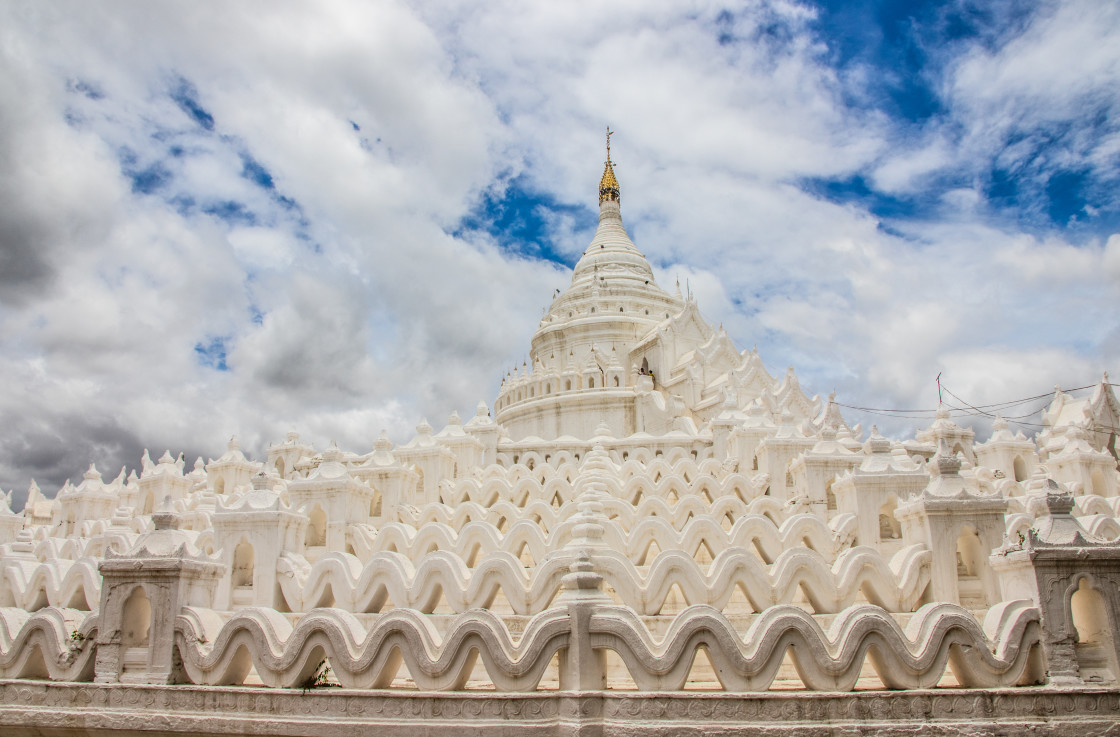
(319, 678)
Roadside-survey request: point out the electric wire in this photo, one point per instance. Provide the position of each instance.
(992, 410)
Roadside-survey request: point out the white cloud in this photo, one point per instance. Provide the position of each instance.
(1034, 98)
(354, 310)
(1066, 56)
(907, 173)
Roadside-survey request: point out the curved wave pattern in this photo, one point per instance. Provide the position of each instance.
(58, 644)
(392, 580)
(1090, 504)
(53, 643)
(528, 542)
(631, 482)
(859, 574)
(544, 494)
(456, 517)
(57, 583)
(938, 635)
(1102, 525)
(288, 657)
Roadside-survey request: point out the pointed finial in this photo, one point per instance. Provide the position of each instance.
(608, 185)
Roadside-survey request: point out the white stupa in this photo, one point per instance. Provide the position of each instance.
(648, 512)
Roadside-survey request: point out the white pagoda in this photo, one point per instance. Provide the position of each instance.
(651, 535)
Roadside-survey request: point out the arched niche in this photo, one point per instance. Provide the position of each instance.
(136, 626)
(971, 560)
(1096, 650)
(1097, 483)
(1019, 468)
(317, 530)
(889, 527)
(243, 560)
(136, 619)
(241, 575)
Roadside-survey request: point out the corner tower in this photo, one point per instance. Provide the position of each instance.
(583, 371)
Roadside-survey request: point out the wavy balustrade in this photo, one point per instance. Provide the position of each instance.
(57, 583)
(53, 643)
(1085, 505)
(691, 507)
(656, 481)
(457, 517)
(1090, 504)
(858, 574)
(638, 461)
(549, 517)
(938, 635)
(523, 538)
(76, 548)
(285, 656)
(391, 579)
(517, 491)
(684, 467)
(756, 532)
(1101, 526)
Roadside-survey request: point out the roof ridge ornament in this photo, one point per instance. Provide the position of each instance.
(608, 185)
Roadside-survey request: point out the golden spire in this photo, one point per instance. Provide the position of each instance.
(608, 185)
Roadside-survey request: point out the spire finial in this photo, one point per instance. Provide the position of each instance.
(608, 185)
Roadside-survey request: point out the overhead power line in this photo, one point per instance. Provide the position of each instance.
(992, 410)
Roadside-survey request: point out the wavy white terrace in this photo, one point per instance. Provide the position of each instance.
(647, 508)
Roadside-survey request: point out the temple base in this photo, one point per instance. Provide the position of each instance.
(46, 709)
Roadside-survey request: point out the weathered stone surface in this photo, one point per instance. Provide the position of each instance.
(42, 708)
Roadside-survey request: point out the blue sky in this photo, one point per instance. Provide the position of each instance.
(348, 217)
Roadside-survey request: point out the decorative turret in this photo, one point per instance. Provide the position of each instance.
(433, 461)
(1011, 456)
(143, 592)
(467, 449)
(90, 500)
(394, 480)
(232, 470)
(159, 481)
(483, 427)
(959, 524)
(10, 523)
(1078, 607)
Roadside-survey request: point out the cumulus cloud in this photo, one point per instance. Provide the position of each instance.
(273, 216)
(1027, 113)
